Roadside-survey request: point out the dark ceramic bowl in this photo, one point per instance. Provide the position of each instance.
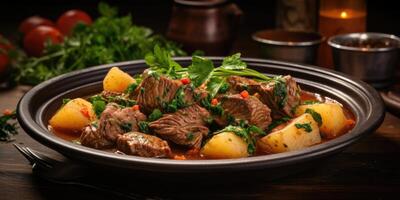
(41, 102)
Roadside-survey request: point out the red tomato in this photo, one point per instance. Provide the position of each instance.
(32, 22)
(69, 19)
(35, 40)
(4, 59)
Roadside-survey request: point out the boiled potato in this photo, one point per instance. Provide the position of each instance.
(73, 116)
(225, 145)
(333, 118)
(117, 80)
(291, 138)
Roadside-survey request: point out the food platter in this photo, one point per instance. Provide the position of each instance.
(40, 103)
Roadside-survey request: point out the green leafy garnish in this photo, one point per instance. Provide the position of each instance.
(278, 122)
(233, 62)
(160, 61)
(200, 70)
(316, 116)
(305, 126)
(131, 88)
(98, 107)
(280, 91)
(156, 114)
(190, 136)
(310, 102)
(214, 85)
(143, 126)
(65, 101)
(126, 127)
(244, 134)
(7, 128)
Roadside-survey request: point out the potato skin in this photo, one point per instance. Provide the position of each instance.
(225, 145)
(73, 116)
(291, 138)
(333, 118)
(117, 81)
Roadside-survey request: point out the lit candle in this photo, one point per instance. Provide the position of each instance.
(335, 17)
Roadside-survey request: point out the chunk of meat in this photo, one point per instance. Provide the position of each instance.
(154, 91)
(91, 137)
(282, 95)
(185, 127)
(115, 121)
(249, 109)
(140, 144)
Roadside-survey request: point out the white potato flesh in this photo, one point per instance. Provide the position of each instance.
(117, 81)
(291, 138)
(73, 116)
(333, 117)
(225, 145)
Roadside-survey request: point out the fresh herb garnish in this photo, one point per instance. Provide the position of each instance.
(98, 107)
(156, 114)
(280, 91)
(316, 116)
(200, 70)
(65, 101)
(108, 39)
(278, 122)
(126, 127)
(7, 128)
(244, 134)
(310, 102)
(160, 61)
(189, 136)
(131, 88)
(143, 126)
(305, 126)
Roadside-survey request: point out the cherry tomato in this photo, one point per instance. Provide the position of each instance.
(32, 22)
(35, 40)
(67, 21)
(4, 48)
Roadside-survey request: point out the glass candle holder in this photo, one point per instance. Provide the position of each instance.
(339, 17)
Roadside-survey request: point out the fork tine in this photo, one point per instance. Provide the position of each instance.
(38, 158)
(28, 156)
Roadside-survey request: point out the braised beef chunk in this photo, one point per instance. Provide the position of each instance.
(154, 91)
(280, 94)
(115, 121)
(249, 109)
(140, 144)
(91, 137)
(185, 127)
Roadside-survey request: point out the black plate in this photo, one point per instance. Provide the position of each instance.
(41, 102)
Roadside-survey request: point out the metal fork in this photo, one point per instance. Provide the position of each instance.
(67, 173)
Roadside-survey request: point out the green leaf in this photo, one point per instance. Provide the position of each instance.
(143, 126)
(156, 114)
(106, 10)
(280, 92)
(214, 85)
(65, 101)
(200, 70)
(233, 62)
(98, 107)
(310, 102)
(131, 88)
(8, 128)
(316, 116)
(278, 122)
(305, 126)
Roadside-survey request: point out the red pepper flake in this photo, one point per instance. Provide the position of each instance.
(179, 157)
(136, 107)
(85, 112)
(214, 102)
(185, 81)
(7, 112)
(244, 94)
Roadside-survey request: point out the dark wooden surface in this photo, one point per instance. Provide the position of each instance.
(369, 169)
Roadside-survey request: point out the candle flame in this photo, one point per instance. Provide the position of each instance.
(343, 14)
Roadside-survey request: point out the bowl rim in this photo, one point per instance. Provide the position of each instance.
(256, 38)
(31, 126)
(334, 44)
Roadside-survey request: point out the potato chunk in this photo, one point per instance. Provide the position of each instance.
(333, 118)
(299, 134)
(225, 145)
(117, 80)
(73, 116)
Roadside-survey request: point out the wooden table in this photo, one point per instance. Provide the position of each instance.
(369, 169)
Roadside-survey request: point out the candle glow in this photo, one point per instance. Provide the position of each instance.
(343, 14)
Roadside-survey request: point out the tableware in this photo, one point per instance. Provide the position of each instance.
(291, 46)
(41, 102)
(372, 57)
(209, 26)
(391, 97)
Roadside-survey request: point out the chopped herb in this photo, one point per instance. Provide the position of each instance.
(316, 116)
(233, 62)
(305, 126)
(142, 90)
(214, 85)
(310, 102)
(65, 101)
(190, 136)
(98, 107)
(280, 92)
(278, 122)
(224, 88)
(131, 88)
(156, 114)
(200, 70)
(160, 61)
(256, 129)
(126, 127)
(244, 134)
(7, 128)
(144, 126)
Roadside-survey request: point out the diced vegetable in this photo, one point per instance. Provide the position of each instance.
(117, 81)
(300, 133)
(333, 118)
(74, 115)
(225, 145)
